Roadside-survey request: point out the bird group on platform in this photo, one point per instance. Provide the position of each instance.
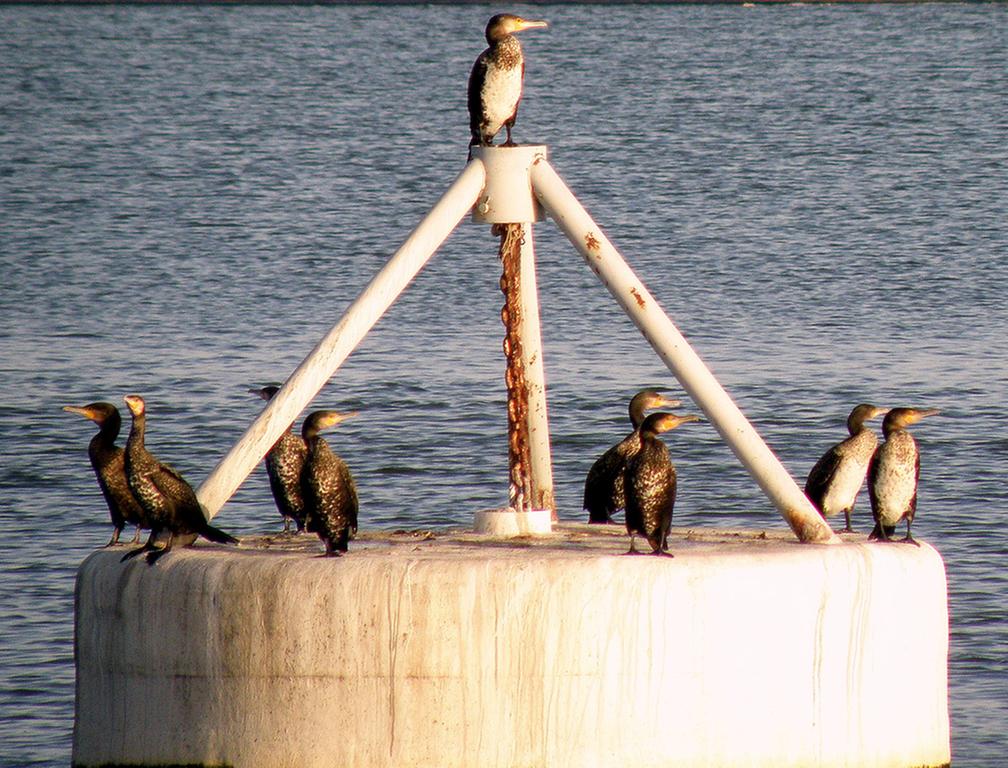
(312, 486)
(315, 491)
(892, 470)
(141, 490)
(637, 475)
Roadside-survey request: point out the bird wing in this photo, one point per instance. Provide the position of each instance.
(180, 494)
(476, 78)
(821, 475)
(601, 477)
(873, 468)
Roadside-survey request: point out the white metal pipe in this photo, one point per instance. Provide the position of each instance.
(316, 369)
(535, 379)
(675, 351)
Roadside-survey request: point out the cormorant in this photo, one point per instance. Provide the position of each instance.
(836, 479)
(107, 461)
(168, 500)
(495, 82)
(284, 463)
(650, 484)
(603, 489)
(893, 474)
(328, 489)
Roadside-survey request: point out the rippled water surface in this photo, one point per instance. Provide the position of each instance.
(190, 198)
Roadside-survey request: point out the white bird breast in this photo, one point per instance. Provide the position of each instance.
(502, 89)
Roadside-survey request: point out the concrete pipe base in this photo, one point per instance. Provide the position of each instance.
(454, 649)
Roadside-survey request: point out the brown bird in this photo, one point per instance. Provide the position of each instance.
(284, 463)
(894, 472)
(496, 79)
(603, 489)
(168, 500)
(107, 460)
(328, 488)
(650, 484)
(834, 482)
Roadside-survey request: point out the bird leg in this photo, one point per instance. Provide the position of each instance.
(330, 550)
(147, 547)
(908, 539)
(879, 533)
(136, 535)
(847, 527)
(158, 552)
(115, 536)
(507, 126)
(633, 550)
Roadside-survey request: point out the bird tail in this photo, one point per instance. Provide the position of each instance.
(216, 534)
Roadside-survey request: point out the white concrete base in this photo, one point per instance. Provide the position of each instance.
(509, 522)
(459, 650)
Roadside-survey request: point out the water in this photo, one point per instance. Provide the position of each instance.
(191, 196)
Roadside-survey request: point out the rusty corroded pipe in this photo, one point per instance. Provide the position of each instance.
(675, 351)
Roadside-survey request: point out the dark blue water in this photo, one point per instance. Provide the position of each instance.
(190, 197)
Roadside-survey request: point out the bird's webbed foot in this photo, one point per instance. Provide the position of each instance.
(908, 539)
(156, 554)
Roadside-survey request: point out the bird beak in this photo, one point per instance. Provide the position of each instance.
(673, 420)
(528, 24)
(667, 402)
(926, 412)
(335, 418)
(77, 409)
(879, 412)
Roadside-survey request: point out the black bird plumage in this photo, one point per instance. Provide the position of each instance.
(894, 473)
(169, 501)
(284, 464)
(328, 488)
(108, 462)
(603, 488)
(496, 79)
(650, 484)
(835, 480)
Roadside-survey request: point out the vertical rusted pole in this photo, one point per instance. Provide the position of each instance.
(519, 463)
(675, 351)
(507, 202)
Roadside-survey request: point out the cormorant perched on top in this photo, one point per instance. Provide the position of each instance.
(603, 490)
(893, 473)
(168, 500)
(836, 479)
(650, 484)
(495, 83)
(284, 463)
(328, 489)
(107, 461)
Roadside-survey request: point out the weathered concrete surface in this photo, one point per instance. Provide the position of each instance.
(456, 650)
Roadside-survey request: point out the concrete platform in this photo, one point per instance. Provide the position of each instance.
(442, 648)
